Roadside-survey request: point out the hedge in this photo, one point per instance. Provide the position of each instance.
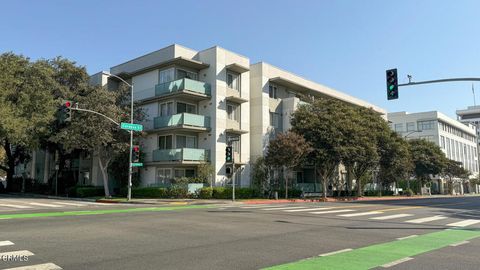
(83, 191)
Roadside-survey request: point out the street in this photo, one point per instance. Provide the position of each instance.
(61, 234)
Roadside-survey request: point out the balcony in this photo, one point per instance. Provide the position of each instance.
(193, 122)
(191, 88)
(181, 155)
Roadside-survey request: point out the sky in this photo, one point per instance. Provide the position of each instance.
(344, 44)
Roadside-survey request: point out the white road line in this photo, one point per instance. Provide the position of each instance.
(16, 206)
(71, 204)
(308, 209)
(427, 219)
(263, 206)
(459, 243)
(397, 262)
(391, 216)
(17, 253)
(361, 214)
(44, 266)
(332, 211)
(282, 208)
(335, 252)
(6, 243)
(407, 237)
(464, 223)
(45, 204)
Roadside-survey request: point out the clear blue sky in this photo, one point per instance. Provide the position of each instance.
(346, 45)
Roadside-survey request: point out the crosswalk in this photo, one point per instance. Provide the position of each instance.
(358, 212)
(33, 204)
(21, 259)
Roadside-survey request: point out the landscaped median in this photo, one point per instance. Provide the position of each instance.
(382, 254)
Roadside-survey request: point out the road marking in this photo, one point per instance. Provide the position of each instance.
(407, 237)
(391, 216)
(332, 211)
(45, 204)
(281, 208)
(361, 214)
(16, 253)
(6, 243)
(263, 206)
(335, 252)
(397, 262)
(464, 223)
(68, 203)
(16, 206)
(427, 219)
(400, 208)
(308, 209)
(44, 266)
(459, 243)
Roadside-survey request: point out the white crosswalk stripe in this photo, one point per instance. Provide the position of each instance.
(464, 223)
(391, 216)
(262, 206)
(332, 211)
(69, 204)
(15, 206)
(46, 205)
(282, 208)
(44, 266)
(5, 243)
(308, 209)
(361, 214)
(427, 219)
(16, 253)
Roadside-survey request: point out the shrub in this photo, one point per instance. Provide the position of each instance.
(178, 191)
(88, 191)
(205, 193)
(292, 193)
(150, 192)
(408, 192)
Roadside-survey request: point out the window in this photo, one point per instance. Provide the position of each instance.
(442, 142)
(186, 108)
(233, 80)
(411, 126)
(186, 74)
(272, 91)
(186, 141)
(165, 142)
(425, 125)
(232, 112)
(399, 127)
(276, 120)
(184, 173)
(166, 75)
(163, 176)
(236, 143)
(166, 109)
(449, 154)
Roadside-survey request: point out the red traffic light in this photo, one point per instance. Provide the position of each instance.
(68, 104)
(136, 148)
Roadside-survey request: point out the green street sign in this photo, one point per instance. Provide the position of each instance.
(128, 126)
(137, 164)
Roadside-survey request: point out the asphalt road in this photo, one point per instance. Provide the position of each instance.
(99, 236)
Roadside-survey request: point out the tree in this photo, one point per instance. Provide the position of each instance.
(321, 124)
(205, 172)
(395, 162)
(26, 107)
(453, 169)
(428, 159)
(260, 179)
(287, 151)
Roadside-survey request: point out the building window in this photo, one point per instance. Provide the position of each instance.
(186, 108)
(166, 109)
(184, 173)
(232, 112)
(233, 80)
(163, 176)
(272, 91)
(186, 74)
(276, 120)
(166, 75)
(399, 127)
(449, 154)
(442, 142)
(186, 141)
(165, 142)
(426, 125)
(411, 126)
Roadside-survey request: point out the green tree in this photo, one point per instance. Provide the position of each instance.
(428, 159)
(260, 179)
(287, 151)
(26, 107)
(206, 172)
(453, 169)
(395, 159)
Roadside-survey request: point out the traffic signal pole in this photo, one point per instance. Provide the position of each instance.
(440, 81)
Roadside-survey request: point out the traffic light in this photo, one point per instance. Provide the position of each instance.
(392, 84)
(65, 111)
(229, 170)
(135, 154)
(229, 154)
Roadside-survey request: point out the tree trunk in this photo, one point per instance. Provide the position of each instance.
(286, 181)
(103, 169)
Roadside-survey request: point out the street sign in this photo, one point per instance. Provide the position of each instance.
(137, 164)
(128, 126)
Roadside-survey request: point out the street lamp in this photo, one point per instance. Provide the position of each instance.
(129, 188)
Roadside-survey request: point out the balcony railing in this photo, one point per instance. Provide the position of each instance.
(186, 119)
(181, 154)
(183, 84)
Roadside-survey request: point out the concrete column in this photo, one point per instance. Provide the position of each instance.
(440, 186)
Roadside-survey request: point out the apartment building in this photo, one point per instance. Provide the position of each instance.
(471, 115)
(457, 140)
